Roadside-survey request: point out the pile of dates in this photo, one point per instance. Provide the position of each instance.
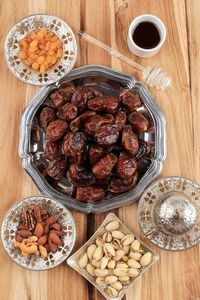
(91, 138)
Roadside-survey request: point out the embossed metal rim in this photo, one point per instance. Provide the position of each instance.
(32, 262)
(24, 27)
(146, 210)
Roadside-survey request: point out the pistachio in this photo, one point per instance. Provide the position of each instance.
(83, 261)
(103, 263)
(133, 264)
(110, 279)
(98, 253)
(95, 263)
(90, 269)
(120, 272)
(108, 248)
(101, 272)
(133, 272)
(126, 249)
(117, 285)
(99, 242)
(135, 255)
(111, 292)
(121, 265)
(118, 255)
(135, 245)
(125, 258)
(124, 280)
(90, 251)
(111, 264)
(117, 244)
(107, 237)
(113, 225)
(100, 281)
(146, 259)
(117, 234)
(128, 239)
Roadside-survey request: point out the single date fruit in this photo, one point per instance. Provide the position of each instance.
(104, 166)
(107, 135)
(56, 169)
(67, 112)
(129, 140)
(126, 166)
(90, 193)
(56, 130)
(47, 115)
(81, 96)
(120, 120)
(130, 99)
(80, 176)
(118, 185)
(52, 151)
(97, 121)
(95, 153)
(75, 125)
(107, 104)
(138, 121)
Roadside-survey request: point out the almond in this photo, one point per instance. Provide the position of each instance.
(19, 238)
(55, 226)
(58, 232)
(51, 220)
(24, 233)
(22, 226)
(46, 229)
(38, 230)
(53, 247)
(42, 240)
(55, 238)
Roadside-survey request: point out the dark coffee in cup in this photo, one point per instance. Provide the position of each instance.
(146, 35)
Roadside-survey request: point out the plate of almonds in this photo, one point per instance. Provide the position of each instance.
(113, 258)
(38, 233)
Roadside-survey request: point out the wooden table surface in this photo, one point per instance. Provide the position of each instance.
(176, 275)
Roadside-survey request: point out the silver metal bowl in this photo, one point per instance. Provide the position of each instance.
(169, 213)
(31, 151)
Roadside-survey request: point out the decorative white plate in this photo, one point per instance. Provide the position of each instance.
(169, 213)
(33, 262)
(32, 23)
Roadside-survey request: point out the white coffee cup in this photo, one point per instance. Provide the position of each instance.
(141, 51)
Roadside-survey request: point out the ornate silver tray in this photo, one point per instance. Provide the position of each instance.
(169, 213)
(32, 152)
(32, 23)
(33, 262)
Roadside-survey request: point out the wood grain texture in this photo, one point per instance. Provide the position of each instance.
(176, 275)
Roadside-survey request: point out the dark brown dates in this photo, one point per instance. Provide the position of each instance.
(107, 135)
(81, 96)
(129, 140)
(67, 112)
(90, 193)
(130, 99)
(120, 120)
(138, 121)
(75, 146)
(80, 176)
(52, 151)
(56, 130)
(76, 124)
(126, 166)
(123, 185)
(47, 115)
(56, 169)
(95, 153)
(104, 166)
(97, 121)
(91, 141)
(105, 104)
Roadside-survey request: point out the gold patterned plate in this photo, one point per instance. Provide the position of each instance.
(33, 262)
(32, 23)
(169, 213)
